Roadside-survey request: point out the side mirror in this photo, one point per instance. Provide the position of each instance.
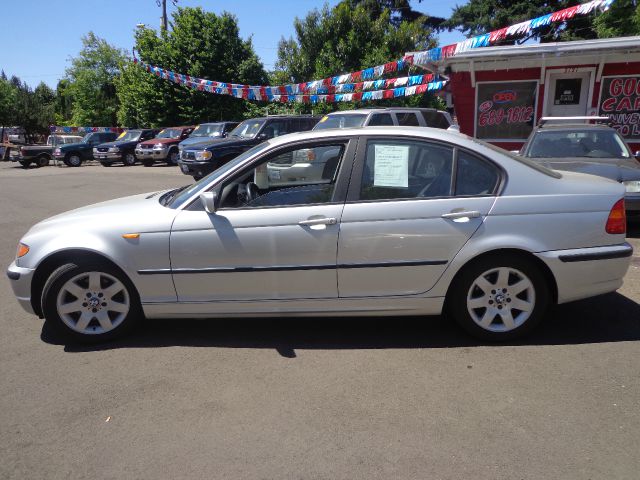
(263, 136)
(209, 201)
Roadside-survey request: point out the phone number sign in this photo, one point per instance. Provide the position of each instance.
(506, 110)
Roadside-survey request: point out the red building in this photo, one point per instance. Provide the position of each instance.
(499, 93)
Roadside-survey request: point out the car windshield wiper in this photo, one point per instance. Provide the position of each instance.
(169, 196)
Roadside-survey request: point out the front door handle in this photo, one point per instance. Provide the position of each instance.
(463, 214)
(318, 221)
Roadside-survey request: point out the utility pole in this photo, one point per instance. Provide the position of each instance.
(164, 23)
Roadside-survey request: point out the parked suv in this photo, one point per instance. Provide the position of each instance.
(123, 148)
(200, 160)
(164, 147)
(205, 132)
(74, 154)
(398, 116)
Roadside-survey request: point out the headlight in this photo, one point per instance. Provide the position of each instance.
(204, 155)
(632, 187)
(95, 150)
(22, 250)
(56, 151)
(159, 146)
(114, 149)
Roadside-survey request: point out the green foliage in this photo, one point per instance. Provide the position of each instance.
(481, 16)
(351, 36)
(21, 106)
(621, 20)
(92, 77)
(201, 44)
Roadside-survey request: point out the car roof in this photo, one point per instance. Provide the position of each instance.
(574, 126)
(384, 109)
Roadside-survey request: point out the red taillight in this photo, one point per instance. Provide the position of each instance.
(617, 221)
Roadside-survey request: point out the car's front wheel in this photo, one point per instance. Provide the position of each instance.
(499, 298)
(129, 159)
(73, 160)
(173, 158)
(90, 302)
(42, 161)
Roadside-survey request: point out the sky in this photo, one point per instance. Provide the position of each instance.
(38, 37)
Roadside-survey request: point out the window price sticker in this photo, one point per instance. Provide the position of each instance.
(391, 166)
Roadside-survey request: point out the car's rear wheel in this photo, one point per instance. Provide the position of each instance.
(129, 159)
(499, 298)
(73, 160)
(90, 302)
(42, 161)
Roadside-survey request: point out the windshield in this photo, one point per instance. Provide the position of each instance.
(207, 130)
(129, 136)
(86, 138)
(341, 121)
(248, 128)
(577, 143)
(180, 196)
(170, 133)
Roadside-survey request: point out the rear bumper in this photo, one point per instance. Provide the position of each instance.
(586, 272)
(20, 279)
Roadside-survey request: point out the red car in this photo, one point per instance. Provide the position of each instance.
(164, 147)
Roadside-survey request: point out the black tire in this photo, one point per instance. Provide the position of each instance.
(73, 160)
(105, 164)
(25, 163)
(66, 272)
(42, 161)
(147, 163)
(456, 303)
(128, 159)
(173, 156)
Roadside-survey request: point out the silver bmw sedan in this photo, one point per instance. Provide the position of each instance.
(367, 221)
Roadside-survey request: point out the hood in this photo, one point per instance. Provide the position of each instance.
(67, 146)
(191, 141)
(221, 142)
(118, 143)
(153, 141)
(142, 213)
(618, 169)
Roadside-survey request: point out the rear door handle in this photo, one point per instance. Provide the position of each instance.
(318, 221)
(464, 214)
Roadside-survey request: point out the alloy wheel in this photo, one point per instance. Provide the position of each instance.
(501, 299)
(93, 303)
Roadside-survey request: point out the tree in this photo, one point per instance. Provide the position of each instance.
(351, 36)
(8, 97)
(482, 16)
(92, 78)
(200, 44)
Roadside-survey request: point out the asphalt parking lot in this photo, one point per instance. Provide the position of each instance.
(308, 398)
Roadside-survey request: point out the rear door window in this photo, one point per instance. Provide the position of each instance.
(475, 176)
(379, 119)
(408, 119)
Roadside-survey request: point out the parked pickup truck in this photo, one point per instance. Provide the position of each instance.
(75, 153)
(123, 148)
(40, 155)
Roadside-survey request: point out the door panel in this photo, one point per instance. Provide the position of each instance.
(568, 94)
(253, 254)
(405, 245)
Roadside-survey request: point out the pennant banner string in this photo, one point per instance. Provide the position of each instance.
(366, 84)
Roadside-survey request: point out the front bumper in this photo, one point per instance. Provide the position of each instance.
(150, 154)
(108, 157)
(21, 285)
(195, 168)
(586, 272)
